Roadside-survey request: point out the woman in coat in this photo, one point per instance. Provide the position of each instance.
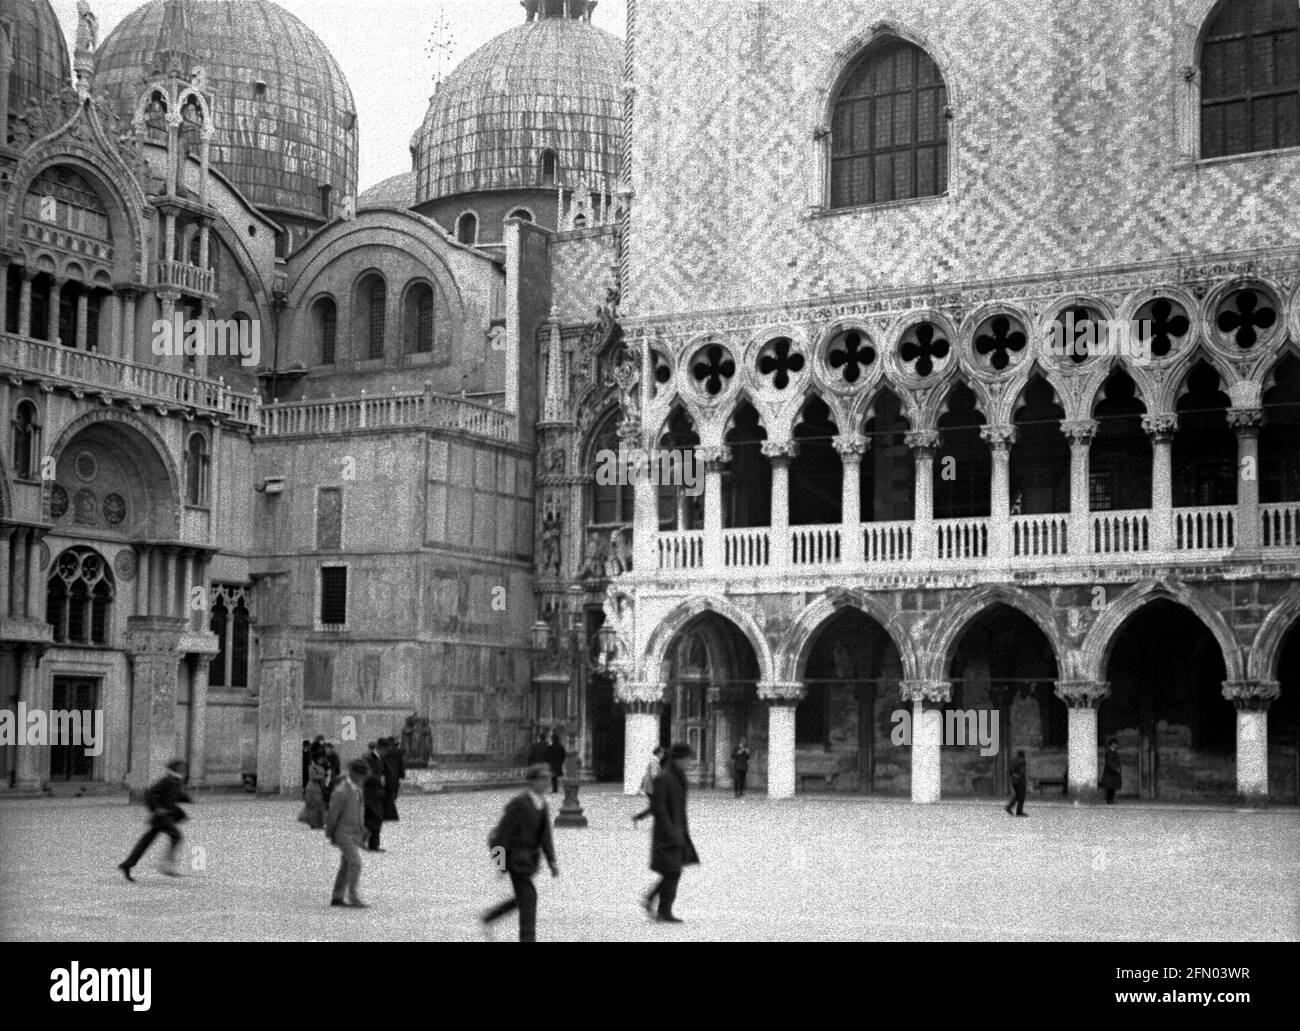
(313, 810)
(1112, 777)
(671, 848)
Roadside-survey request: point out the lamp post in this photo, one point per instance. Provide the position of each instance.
(570, 814)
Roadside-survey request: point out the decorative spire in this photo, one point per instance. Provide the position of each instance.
(575, 10)
(174, 52)
(83, 60)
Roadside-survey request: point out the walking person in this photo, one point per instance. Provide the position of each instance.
(373, 797)
(523, 834)
(671, 848)
(555, 756)
(1112, 776)
(333, 774)
(1019, 783)
(313, 809)
(740, 767)
(648, 781)
(344, 829)
(163, 800)
(394, 771)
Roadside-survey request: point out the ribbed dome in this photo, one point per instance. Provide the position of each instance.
(41, 65)
(550, 84)
(279, 143)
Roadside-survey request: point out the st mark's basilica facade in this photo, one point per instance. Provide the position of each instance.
(985, 342)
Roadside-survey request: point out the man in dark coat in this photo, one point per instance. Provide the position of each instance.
(539, 753)
(394, 772)
(1112, 777)
(520, 838)
(374, 798)
(333, 773)
(344, 829)
(1019, 782)
(671, 848)
(740, 763)
(163, 800)
(555, 755)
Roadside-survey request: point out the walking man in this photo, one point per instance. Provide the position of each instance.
(345, 832)
(670, 844)
(740, 767)
(1112, 776)
(522, 835)
(648, 781)
(373, 791)
(1019, 782)
(556, 755)
(163, 799)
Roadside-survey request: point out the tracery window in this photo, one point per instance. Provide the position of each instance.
(79, 597)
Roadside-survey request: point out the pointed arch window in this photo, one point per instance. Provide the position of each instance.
(1250, 78)
(79, 598)
(26, 441)
(889, 131)
(197, 463)
(327, 322)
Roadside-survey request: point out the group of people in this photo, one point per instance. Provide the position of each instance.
(551, 755)
(385, 770)
(1112, 778)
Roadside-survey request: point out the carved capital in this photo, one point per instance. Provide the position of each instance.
(922, 440)
(779, 693)
(1251, 695)
(998, 438)
(1160, 427)
(935, 692)
(780, 449)
(1080, 431)
(714, 457)
(639, 695)
(1082, 694)
(1246, 421)
(851, 446)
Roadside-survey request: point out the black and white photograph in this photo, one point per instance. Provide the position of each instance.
(478, 471)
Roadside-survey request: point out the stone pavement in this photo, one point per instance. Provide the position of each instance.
(816, 868)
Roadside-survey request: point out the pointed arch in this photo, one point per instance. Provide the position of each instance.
(953, 621)
(655, 658)
(797, 644)
(1266, 649)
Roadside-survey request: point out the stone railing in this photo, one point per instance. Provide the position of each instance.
(1281, 525)
(1040, 535)
(961, 539)
(90, 371)
(1120, 533)
(681, 550)
(186, 278)
(887, 542)
(814, 545)
(745, 548)
(1204, 529)
(388, 411)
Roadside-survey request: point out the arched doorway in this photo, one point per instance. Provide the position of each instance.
(844, 725)
(1004, 672)
(711, 700)
(1176, 732)
(1284, 724)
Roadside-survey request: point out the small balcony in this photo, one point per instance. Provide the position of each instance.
(424, 410)
(186, 278)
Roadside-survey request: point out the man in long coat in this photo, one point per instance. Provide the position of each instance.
(394, 774)
(671, 848)
(373, 791)
(1112, 777)
(345, 832)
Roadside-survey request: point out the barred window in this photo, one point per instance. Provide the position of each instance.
(1250, 87)
(334, 596)
(378, 300)
(424, 321)
(889, 134)
(327, 313)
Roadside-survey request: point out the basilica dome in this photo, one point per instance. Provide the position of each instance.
(285, 118)
(537, 107)
(41, 67)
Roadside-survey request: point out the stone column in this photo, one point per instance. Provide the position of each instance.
(279, 711)
(127, 346)
(1251, 699)
(1083, 697)
(35, 606)
(151, 644)
(1161, 429)
(4, 267)
(1000, 440)
(110, 342)
(923, 444)
(168, 594)
(645, 518)
(641, 729)
(780, 454)
(25, 304)
(851, 447)
(52, 314)
(142, 581)
(782, 698)
(199, 706)
(1080, 432)
(27, 774)
(5, 574)
(1247, 423)
(714, 459)
(17, 587)
(83, 311)
(927, 735)
(721, 738)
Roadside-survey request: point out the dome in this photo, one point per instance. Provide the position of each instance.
(551, 84)
(284, 114)
(397, 191)
(41, 66)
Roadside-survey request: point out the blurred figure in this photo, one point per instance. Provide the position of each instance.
(555, 756)
(332, 770)
(648, 781)
(1019, 782)
(394, 773)
(343, 828)
(163, 800)
(306, 762)
(740, 767)
(313, 809)
(523, 833)
(671, 848)
(539, 753)
(1112, 777)
(373, 793)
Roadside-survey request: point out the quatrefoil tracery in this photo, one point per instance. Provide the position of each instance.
(712, 369)
(923, 347)
(1245, 316)
(1162, 325)
(999, 339)
(780, 362)
(851, 355)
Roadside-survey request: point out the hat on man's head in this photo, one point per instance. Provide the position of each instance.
(176, 766)
(539, 771)
(359, 766)
(682, 752)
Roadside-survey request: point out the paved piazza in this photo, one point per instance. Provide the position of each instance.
(812, 869)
